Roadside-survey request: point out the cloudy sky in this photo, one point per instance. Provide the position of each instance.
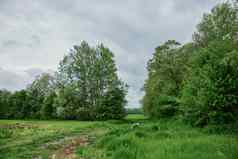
(35, 34)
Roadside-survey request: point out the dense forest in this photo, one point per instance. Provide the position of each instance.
(196, 81)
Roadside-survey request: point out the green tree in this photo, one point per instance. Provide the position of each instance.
(44, 84)
(89, 73)
(209, 94)
(40, 88)
(48, 110)
(4, 103)
(220, 24)
(67, 104)
(19, 105)
(113, 103)
(166, 72)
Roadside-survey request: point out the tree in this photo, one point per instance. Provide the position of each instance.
(166, 72)
(209, 95)
(44, 84)
(48, 110)
(85, 87)
(198, 79)
(220, 24)
(89, 73)
(67, 104)
(210, 92)
(4, 103)
(40, 88)
(113, 103)
(19, 105)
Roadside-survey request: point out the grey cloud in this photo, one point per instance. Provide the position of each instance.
(186, 6)
(13, 79)
(10, 43)
(33, 72)
(36, 34)
(33, 41)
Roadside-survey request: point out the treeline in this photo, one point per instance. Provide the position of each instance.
(197, 81)
(134, 111)
(85, 87)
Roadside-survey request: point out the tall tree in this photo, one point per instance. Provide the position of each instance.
(37, 91)
(5, 103)
(220, 24)
(166, 71)
(19, 107)
(91, 74)
(210, 91)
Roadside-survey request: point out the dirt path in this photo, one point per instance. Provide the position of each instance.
(68, 150)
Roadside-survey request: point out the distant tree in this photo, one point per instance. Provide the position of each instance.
(40, 88)
(44, 84)
(4, 103)
(134, 111)
(19, 105)
(67, 103)
(113, 103)
(48, 110)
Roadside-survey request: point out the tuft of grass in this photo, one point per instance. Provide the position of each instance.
(164, 139)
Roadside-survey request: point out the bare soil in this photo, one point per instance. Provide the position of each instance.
(68, 150)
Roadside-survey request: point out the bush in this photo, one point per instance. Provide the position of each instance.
(210, 94)
(165, 107)
(5, 133)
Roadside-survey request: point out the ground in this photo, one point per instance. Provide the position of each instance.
(132, 138)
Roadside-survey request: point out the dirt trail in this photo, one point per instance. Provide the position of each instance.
(68, 151)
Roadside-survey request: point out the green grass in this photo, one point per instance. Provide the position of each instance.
(136, 117)
(133, 138)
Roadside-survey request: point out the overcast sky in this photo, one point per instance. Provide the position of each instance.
(35, 34)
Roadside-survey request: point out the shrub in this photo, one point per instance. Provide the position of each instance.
(210, 94)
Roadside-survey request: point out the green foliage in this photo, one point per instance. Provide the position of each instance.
(66, 103)
(198, 81)
(210, 92)
(113, 105)
(47, 109)
(134, 111)
(5, 133)
(4, 103)
(123, 147)
(150, 139)
(165, 139)
(89, 88)
(85, 87)
(166, 73)
(220, 24)
(18, 107)
(209, 95)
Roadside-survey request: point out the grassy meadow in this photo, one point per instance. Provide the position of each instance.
(135, 137)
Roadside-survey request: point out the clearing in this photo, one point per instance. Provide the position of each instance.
(132, 138)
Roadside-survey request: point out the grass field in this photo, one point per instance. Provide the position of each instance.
(132, 138)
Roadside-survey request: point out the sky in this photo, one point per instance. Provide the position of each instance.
(36, 34)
